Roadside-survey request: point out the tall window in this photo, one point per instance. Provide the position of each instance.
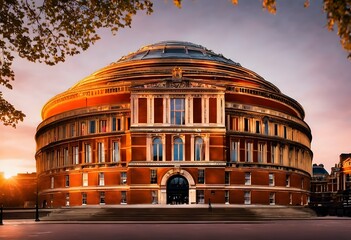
(115, 151)
(116, 124)
(200, 196)
(153, 176)
(248, 151)
(258, 127)
(101, 179)
(285, 136)
(247, 178)
(271, 198)
(84, 198)
(87, 153)
(154, 197)
(102, 197)
(287, 180)
(67, 180)
(234, 151)
(201, 176)
(157, 149)
(85, 179)
(178, 149)
(266, 126)
(92, 127)
(246, 125)
(123, 178)
(199, 149)
(67, 199)
(276, 129)
(102, 126)
(261, 155)
(226, 196)
(113, 126)
(101, 152)
(247, 197)
(75, 154)
(178, 111)
(271, 179)
(123, 197)
(227, 178)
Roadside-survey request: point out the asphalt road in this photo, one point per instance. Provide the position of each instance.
(335, 229)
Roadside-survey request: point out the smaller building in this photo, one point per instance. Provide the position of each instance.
(332, 190)
(323, 186)
(18, 191)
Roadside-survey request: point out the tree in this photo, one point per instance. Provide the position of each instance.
(51, 30)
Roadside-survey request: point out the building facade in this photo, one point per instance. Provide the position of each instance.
(173, 123)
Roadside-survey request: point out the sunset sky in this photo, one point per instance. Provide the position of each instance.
(292, 49)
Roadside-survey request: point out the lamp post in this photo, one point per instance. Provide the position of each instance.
(37, 204)
(1, 215)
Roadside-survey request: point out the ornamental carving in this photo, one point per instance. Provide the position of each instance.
(168, 83)
(177, 74)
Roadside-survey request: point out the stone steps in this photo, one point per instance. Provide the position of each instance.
(179, 214)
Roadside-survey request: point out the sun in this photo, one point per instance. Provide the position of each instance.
(9, 174)
(10, 167)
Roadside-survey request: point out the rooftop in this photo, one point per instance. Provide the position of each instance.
(176, 49)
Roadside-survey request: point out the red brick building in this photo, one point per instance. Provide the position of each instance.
(173, 123)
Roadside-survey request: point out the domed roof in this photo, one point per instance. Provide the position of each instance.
(319, 170)
(176, 49)
(155, 62)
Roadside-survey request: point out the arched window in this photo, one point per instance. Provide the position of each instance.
(199, 149)
(178, 149)
(157, 149)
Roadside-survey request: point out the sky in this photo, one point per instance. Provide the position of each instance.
(292, 49)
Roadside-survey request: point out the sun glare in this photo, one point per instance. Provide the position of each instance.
(8, 168)
(9, 174)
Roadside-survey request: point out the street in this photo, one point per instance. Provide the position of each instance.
(338, 228)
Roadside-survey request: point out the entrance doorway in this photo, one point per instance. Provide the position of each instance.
(177, 190)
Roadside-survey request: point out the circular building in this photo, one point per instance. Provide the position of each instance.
(173, 123)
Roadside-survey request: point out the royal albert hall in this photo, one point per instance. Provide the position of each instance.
(173, 123)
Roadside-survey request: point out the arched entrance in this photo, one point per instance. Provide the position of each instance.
(177, 190)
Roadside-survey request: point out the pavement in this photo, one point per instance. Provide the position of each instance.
(218, 213)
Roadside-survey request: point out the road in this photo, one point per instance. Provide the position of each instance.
(286, 229)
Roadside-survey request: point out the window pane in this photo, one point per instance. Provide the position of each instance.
(234, 151)
(178, 149)
(177, 111)
(103, 126)
(115, 152)
(199, 149)
(101, 179)
(92, 126)
(114, 124)
(157, 149)
(101, 152)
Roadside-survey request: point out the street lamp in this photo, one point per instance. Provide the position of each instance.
(37, 203)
